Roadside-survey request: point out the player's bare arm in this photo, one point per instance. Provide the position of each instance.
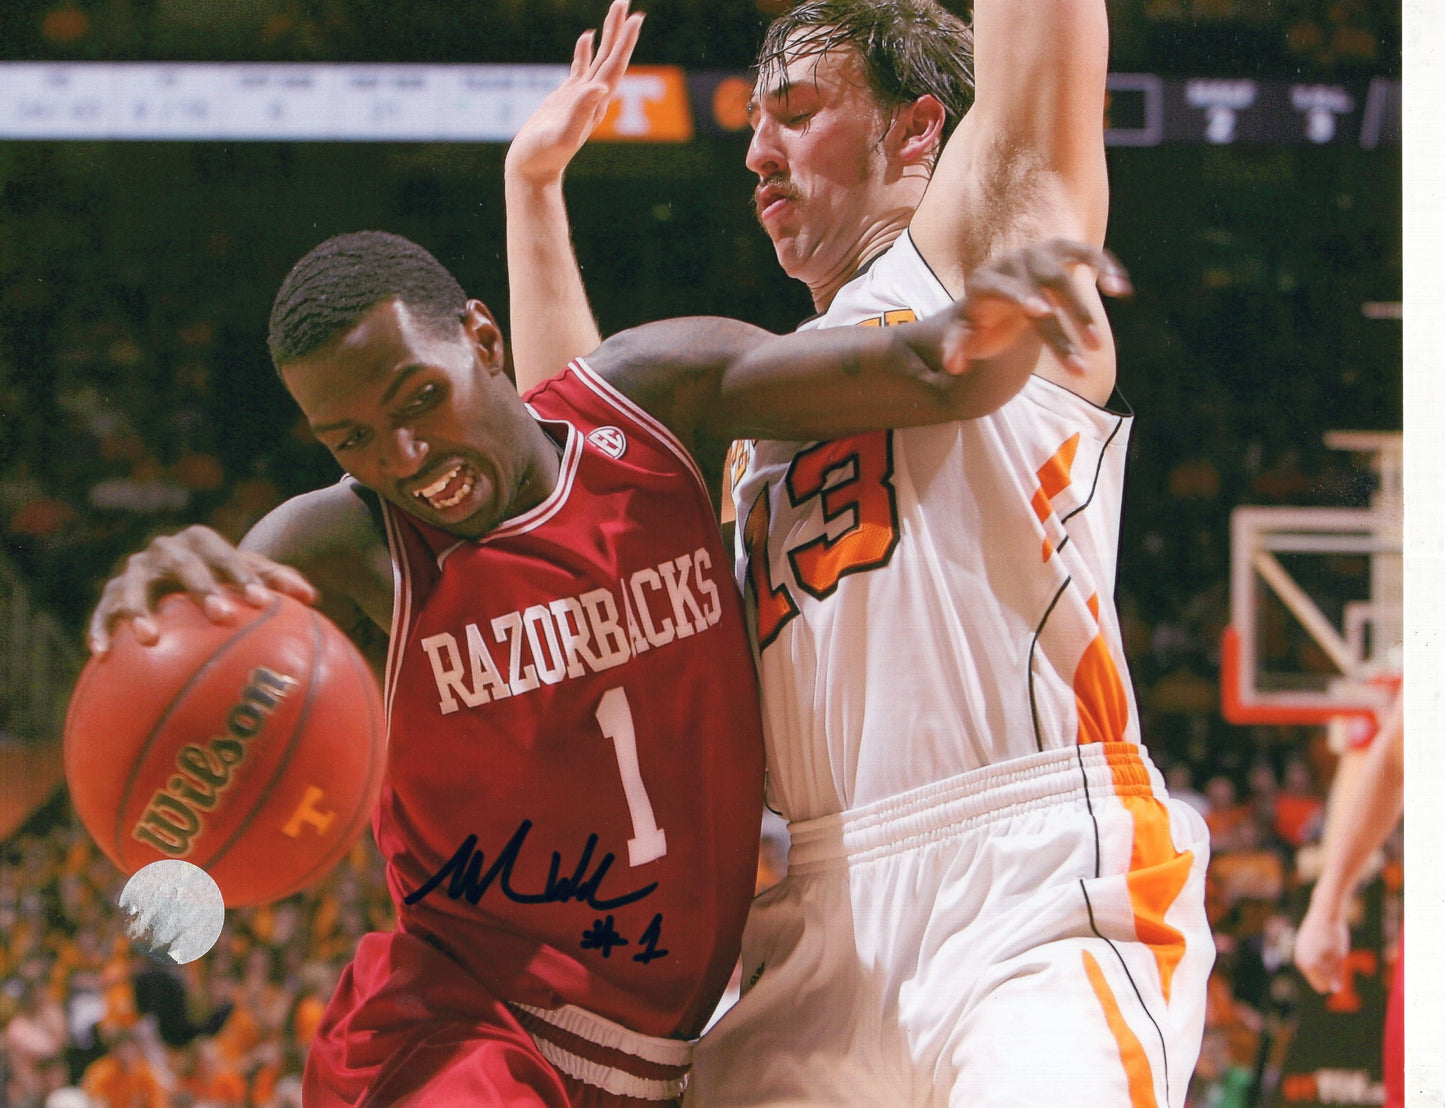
(321, 548)
(716, 380)
(1027, 161)
(334, 537)
(1370, 808)
(551, 320)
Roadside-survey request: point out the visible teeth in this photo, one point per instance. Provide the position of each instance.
(439, 484)
(450, 501)
(436, 487)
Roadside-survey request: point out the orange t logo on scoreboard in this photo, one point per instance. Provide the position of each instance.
(651, 105)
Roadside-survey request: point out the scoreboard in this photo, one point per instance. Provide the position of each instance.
(487, 103)
(1146, 110)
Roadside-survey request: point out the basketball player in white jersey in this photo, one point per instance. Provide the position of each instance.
(991, 899)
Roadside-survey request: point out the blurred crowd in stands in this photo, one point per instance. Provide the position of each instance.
(87, 1022)
(135, 397)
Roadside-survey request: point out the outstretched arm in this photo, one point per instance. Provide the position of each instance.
(551, 320)
(714, 380)
(1370, 808)
(323, 547)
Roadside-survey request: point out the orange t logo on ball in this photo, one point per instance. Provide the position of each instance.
(308, 813)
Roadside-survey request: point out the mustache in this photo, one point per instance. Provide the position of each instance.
(777, 183)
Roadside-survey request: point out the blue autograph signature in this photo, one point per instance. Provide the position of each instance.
(464, 877)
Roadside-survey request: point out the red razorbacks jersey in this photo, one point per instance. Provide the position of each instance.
(575, 781)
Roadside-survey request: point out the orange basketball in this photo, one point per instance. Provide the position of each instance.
(253, 749)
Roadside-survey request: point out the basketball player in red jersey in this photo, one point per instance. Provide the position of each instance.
(984, 860)
(573, 795)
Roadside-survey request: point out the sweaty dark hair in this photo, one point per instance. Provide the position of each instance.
(331, 288)
(908, 48)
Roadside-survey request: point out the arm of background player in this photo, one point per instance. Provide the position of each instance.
(1369, 809)
(714, 380)
(551, 320)
(1027, 160)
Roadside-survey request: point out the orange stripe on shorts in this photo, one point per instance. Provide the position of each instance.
(1131, 1051)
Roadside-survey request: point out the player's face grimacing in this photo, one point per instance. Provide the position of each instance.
(427, 420)
(817, 150)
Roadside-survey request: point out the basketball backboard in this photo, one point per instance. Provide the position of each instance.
(1316, 628)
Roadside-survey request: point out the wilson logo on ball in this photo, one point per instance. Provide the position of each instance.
(172, 820)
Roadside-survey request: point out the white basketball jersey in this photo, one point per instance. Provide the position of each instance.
(928, 601)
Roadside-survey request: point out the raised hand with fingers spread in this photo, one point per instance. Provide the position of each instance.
(552, 322)
(553, 134)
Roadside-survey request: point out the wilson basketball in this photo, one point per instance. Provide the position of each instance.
(253, 750)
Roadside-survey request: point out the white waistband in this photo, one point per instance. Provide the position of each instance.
(1087, 772)
(616, 1052)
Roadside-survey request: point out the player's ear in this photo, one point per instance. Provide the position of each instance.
(917, 131)
(486, 336)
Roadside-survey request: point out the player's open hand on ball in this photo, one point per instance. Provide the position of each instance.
(198, 561)
(1033, 287)
(553, 134)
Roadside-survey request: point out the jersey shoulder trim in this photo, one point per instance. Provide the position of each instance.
(401, 603)
(909, 254)
(642, 418)
(894, 281)
(535, 517)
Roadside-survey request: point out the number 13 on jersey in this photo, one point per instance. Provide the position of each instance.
(853, 480)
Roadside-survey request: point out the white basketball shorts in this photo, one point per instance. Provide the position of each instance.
(1027, 934)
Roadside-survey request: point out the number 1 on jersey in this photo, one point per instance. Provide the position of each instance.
(614, 716)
